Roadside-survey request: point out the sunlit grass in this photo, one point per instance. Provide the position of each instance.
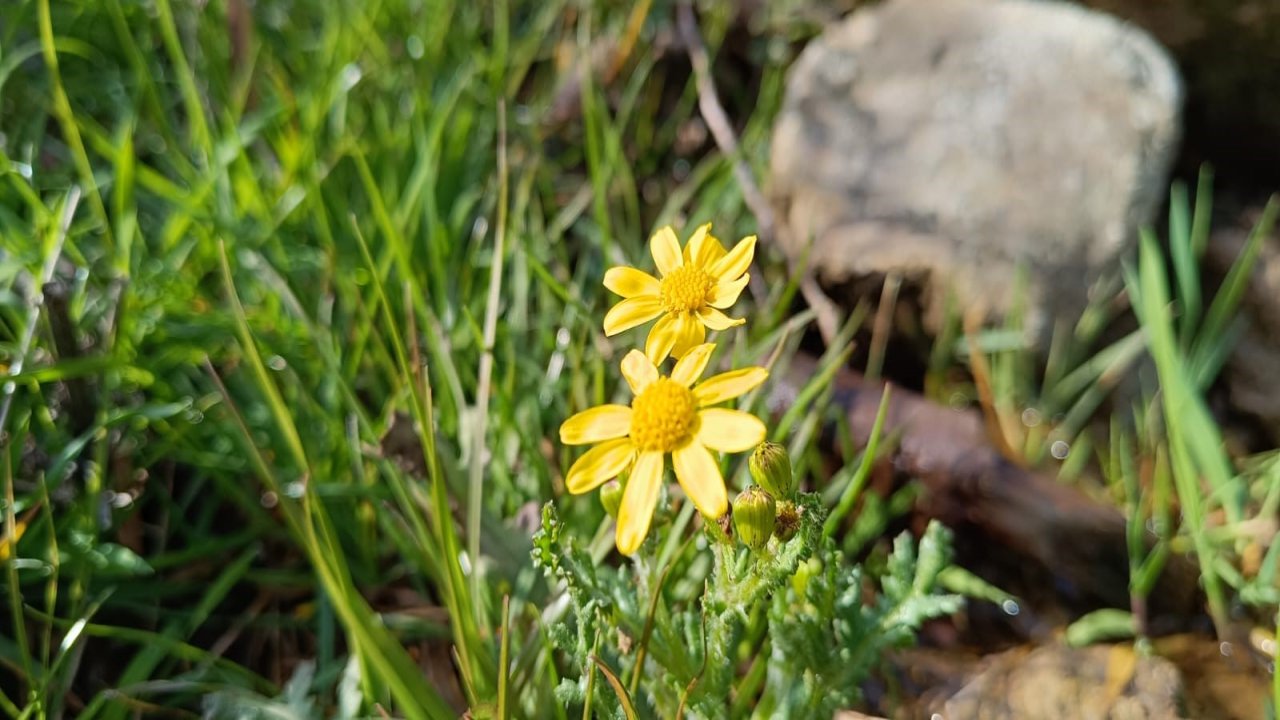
(283, 259)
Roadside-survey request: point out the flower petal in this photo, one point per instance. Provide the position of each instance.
(662, 337)
(690, 367)
(703, 249)
(699, 235)
(700, 477)
(689, 332)
(737, 261)
(638, 501)
(631, 312)
(725, 386)
(630, 282)
(605, 422)
(638, 371)
(729, 430)
(599, 465)
(717, 320)
(724, 294)
(665, 247)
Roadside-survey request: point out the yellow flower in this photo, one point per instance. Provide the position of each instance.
(696, 285)
(669, 416)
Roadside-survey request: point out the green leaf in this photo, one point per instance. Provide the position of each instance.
(122, 560)
(869, 455)
(959, 580)
(1105, 624)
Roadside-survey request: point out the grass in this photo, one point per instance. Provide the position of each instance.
(322, 307)
(291, 308)
(1167, 464)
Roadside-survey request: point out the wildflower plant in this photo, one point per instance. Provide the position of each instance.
(756, 612)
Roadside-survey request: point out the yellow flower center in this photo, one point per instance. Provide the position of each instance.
(663, 416)
(685, 289)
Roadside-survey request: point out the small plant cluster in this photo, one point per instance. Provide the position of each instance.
(759, 612)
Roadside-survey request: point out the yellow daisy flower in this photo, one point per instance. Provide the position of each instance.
(696, 285)
(669, 416)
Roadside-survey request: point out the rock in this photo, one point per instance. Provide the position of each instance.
(1186, 675)
(1056, 682)
(1230, 684)
(951, 141)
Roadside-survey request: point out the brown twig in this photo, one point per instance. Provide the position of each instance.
(717, 121)
(981, 369)
(238, 626)
(883, 325)
(825, 311)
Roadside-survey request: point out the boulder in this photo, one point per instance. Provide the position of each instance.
(951, 142)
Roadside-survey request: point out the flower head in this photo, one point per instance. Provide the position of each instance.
(697, 283)
(669, 416)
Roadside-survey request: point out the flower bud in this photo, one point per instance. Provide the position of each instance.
(611, 497)
(771, 468)
(788, 520)
(753, 517)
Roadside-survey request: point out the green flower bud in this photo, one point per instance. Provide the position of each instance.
(611, 497)
(788, 520)
(771, 468)
(753, 517)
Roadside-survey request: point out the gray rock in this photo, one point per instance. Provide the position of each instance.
(952, 141)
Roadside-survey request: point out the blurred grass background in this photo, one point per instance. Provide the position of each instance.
(293, 295)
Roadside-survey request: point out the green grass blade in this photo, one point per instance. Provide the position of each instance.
(850, 495)
(1185, 268)
(378, 650)
(1222, 311)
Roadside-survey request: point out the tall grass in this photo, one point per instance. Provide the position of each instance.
(322, 337)
(1163, 458)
